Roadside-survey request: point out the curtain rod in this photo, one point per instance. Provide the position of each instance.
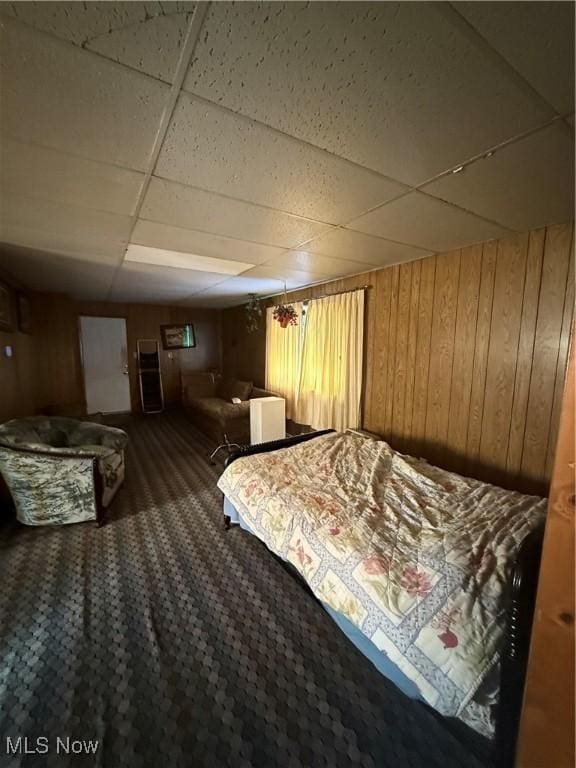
(339, 293)
(312, 298)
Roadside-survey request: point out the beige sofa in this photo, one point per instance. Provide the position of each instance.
(208, 401)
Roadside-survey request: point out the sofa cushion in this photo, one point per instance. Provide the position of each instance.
(229, 388)
(220, 410)
(198, 384)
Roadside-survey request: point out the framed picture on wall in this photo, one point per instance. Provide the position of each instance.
(178, 336)
(6, 308)
(24, 313)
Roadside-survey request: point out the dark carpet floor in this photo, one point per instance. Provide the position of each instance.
(175, 643)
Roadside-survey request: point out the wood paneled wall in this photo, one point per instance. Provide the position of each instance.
(547, 726)
(143, 321)
(16, 376)
(57, 367)
(16, 372)
(465, 354)
(46, 371)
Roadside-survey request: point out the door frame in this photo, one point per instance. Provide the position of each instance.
(124, 317)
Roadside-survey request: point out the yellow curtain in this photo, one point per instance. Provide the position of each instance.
(283, 348)
(330, 384)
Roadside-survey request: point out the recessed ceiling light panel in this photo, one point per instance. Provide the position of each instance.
(178, 260)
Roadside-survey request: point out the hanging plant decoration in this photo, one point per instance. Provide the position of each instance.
(253, 313)
(285, 314)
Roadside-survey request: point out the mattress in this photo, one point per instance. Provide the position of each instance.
(415, 558)
(364, 645)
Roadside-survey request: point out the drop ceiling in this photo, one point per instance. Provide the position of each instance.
(301, 141)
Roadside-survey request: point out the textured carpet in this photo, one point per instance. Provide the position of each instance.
(175, 643)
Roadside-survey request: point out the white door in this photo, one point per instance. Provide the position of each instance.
(105, 361)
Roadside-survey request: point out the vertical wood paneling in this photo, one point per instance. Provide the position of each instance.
(442, 352)
(463, 364)
(412, 349)
(465, 354)
(420, 403)
(369, 315)
(393, 324)
(525, 350)
(401, 356)
(483, 325)
(546, 348)
(383, 290)
(17, 374)
(56, 343)
(563, 351)
(503, 351)
(546, 735)
(57, 361)
(17, 377)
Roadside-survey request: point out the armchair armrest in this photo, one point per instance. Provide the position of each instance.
(52, 486)
(90, 434)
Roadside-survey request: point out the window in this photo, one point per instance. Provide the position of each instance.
(317, 364)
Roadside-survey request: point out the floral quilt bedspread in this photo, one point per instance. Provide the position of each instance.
(416, 557)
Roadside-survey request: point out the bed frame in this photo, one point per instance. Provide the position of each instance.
(520, 611)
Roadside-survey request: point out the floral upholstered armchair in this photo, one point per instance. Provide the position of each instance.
(61, 470)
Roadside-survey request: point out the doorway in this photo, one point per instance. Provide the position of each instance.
(105, 363)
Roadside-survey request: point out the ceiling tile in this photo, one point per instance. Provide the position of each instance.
(52, 226)
(536, 38)
(213, 149)
(65, 245)
(66, 98)
(80, 278)
(34, 171)
(202, 243)
(292, 278)
(428, 223)
(396, 87)
(238, 289)
(527, 184)
(50, 216)
(138, 281)
(315, 264)
(182, 206)
(356, 246)
(198, 300)
(146, 36)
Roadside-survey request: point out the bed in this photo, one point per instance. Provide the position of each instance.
(412, 562)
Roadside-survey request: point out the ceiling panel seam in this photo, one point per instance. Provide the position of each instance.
(265, 207)
(291, 137)
(451, 13)
(75, 155)
(447, 10)
(220, 234)
(56, 202)
(182, 67)
(286, 251)
(176, 86)
(556, 120)
(330, 226)
(322, 281)
(330, 230)
(78, 48)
